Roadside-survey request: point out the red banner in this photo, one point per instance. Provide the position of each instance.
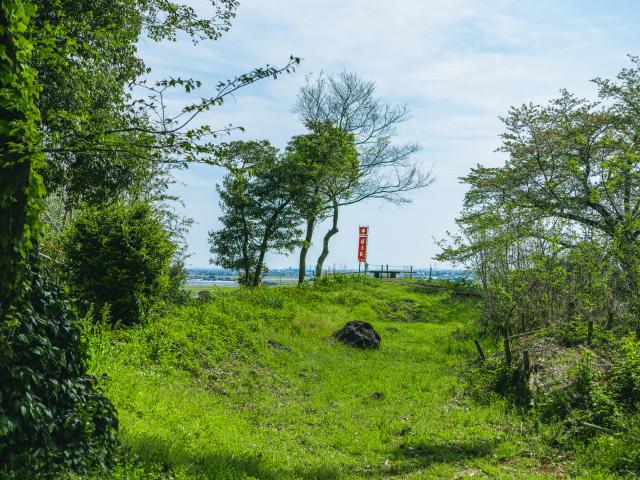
(362, 244)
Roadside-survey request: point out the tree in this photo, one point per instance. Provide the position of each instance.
(118, 256)
(259, 202)
(105, 128)
(386, 171)
(52, 417)
(326, 157)
(573, 179)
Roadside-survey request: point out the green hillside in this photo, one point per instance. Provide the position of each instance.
(250, 384)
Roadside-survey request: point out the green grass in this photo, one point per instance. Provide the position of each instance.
(203, 393)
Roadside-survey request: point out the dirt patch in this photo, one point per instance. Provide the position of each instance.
(551, 362)
(404, 310)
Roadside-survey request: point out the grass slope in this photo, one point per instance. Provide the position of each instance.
(251, 385)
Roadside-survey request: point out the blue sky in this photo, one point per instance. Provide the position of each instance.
(457, 64)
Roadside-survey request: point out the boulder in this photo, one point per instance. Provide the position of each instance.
(358, 334)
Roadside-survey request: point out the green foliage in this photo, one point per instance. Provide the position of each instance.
(259, 198)
(267, 393)
(52, 417)
(177, 276)
(575, 333)
(619, 453)
(586, 401)
(325, 159)
(102, 129)
(336, 279)
(553, 234)
(625, 375)
(20, 153)
(119, 255)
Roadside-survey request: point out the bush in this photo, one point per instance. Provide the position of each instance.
(575, 332)
(119, 255)
(343, 278)
(177, 275)
(625, 377)
(615, 452)
(52, 417)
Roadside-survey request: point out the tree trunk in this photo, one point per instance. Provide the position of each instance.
(325, 242)
(260, 264)
(246, 264)
(302, 266)
(508, 357)
(20, 187)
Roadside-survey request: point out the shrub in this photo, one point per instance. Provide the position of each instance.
(52, 417)
(625, 377)
(119, 255)
(343, 278)
(575, 332)
(177, 275)
(617, 452)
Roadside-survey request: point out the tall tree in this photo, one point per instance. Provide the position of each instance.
(105, 127)
(573, 178)
(386, 171)
(259, 200)
(52, 418)
(82, 57)
(326, 157)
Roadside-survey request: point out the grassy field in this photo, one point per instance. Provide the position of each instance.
(251, 385)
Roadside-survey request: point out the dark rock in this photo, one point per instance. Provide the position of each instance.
(358, 334)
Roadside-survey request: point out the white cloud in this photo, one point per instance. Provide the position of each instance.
(459, 64)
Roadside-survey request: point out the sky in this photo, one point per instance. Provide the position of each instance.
(457, 64)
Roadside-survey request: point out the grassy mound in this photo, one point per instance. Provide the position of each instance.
(250, 384)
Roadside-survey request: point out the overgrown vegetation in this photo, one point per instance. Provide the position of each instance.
(117, 258)
(52, 417)
(71, 120)
(552, 237)
(250, 384)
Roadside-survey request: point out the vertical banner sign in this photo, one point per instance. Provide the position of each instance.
(362, 244)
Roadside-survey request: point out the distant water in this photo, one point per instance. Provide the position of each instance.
(212, 283)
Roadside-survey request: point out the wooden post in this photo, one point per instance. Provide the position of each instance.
(480, 350)
(526, 387)
(507, 350)
(610, 317)
(411, 272)
(430, 271)
(590, 333)
(526, 361)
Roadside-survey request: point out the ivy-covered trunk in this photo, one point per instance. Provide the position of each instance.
(52, 418)
(19, 187)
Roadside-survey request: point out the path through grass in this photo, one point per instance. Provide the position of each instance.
(251, 385)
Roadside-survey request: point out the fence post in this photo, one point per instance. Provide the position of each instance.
(480, 350)
(507, 350)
